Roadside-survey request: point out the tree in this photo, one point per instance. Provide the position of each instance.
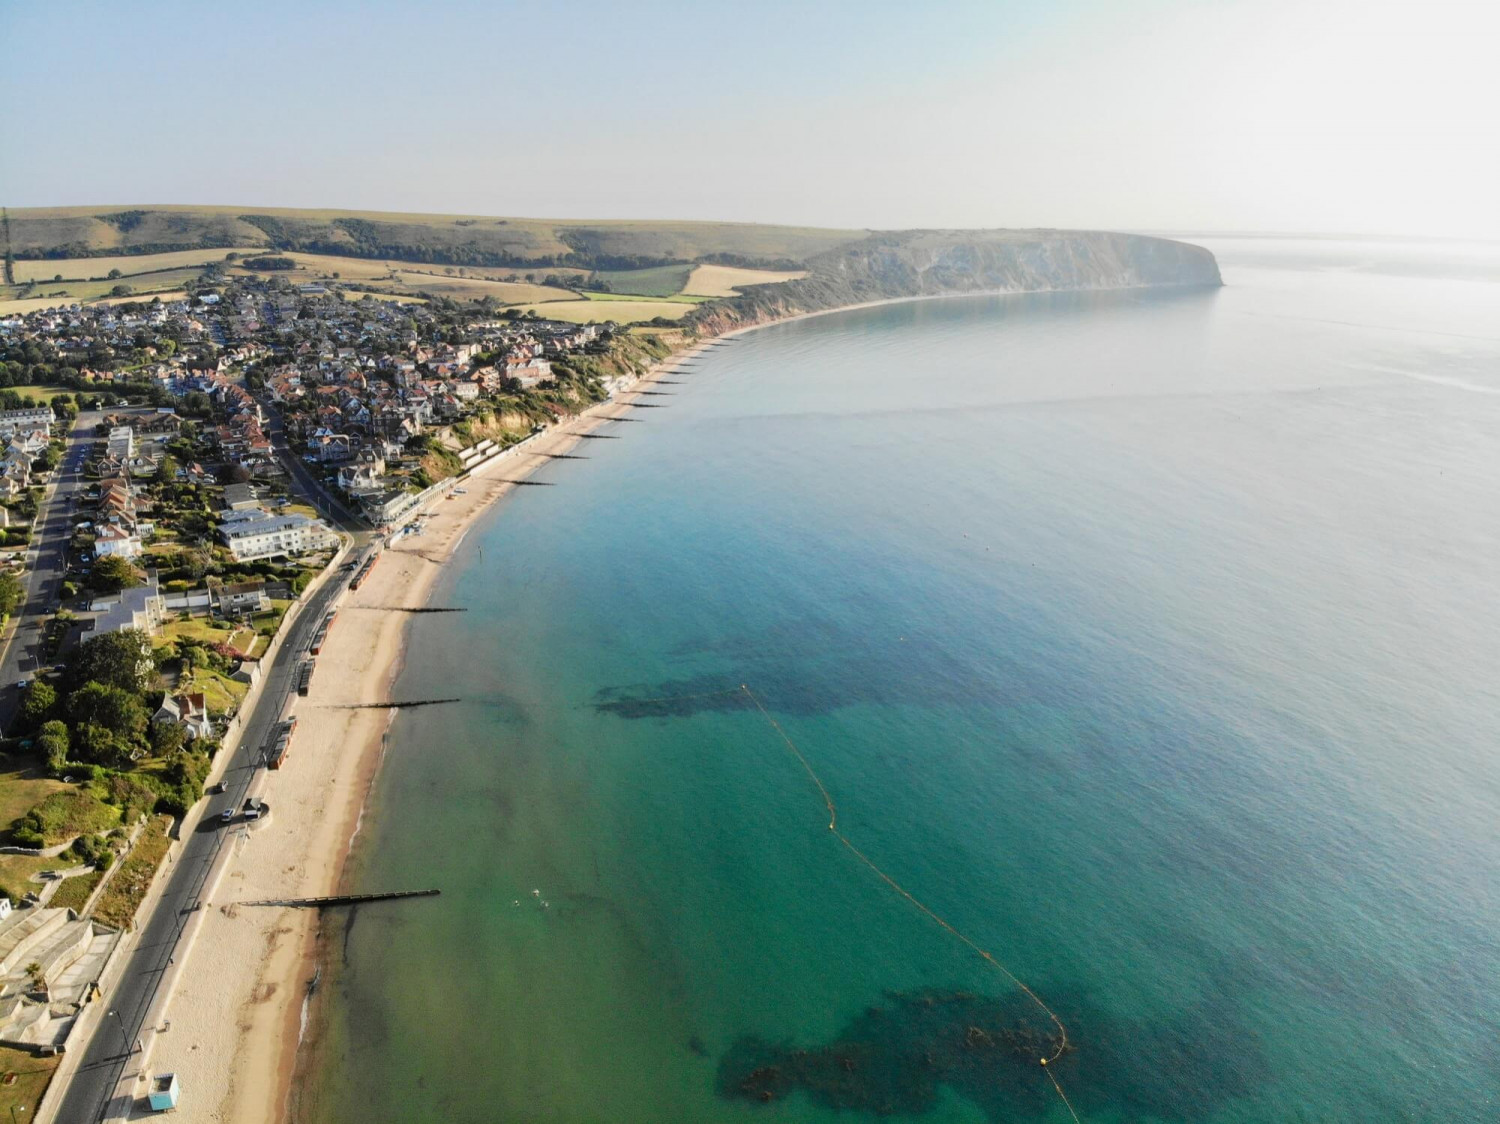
(11, 592)
(121, 659)
(52, 743)
(36, 703)
(97, 746)
(121, 290)
(167, 738)
(197, 404)
(112, 573)
(64, 406)
(119, 712)
(112, 274)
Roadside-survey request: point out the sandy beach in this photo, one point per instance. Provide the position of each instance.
(234, 1017)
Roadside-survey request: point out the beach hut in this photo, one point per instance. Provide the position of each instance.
(164, 1092)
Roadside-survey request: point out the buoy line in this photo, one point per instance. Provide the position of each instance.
(1063, 1044)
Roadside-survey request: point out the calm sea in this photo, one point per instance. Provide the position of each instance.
(1149, 639)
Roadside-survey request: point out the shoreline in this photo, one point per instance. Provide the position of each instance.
(235, 1033)
(238, 1037)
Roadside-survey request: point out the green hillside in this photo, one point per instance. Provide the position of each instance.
(474, 240)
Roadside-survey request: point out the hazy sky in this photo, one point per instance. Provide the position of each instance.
(1312, 115)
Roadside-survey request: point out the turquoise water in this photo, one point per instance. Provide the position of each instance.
(1149, 639)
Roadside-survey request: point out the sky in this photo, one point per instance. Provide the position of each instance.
(1335, 116)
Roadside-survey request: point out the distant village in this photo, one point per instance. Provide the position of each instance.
(360, 383)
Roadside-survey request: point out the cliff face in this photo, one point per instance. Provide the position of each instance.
(934, 263)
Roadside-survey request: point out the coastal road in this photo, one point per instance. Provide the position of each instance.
(325, 501)
(104, 1058)
(87, 1097)
(47, 562)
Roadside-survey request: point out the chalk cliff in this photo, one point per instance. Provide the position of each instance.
(920, 263)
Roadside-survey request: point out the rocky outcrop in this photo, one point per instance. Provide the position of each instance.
(897, 265)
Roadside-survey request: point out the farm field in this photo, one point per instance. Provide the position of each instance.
(83, 269)
(324, 266)
(476, 288)
(675, 298)
(399, 298)
(658, 281)
(140, 284)
(727, 280)
(624, 312)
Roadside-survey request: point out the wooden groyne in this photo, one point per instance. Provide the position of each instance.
(409, 609)
(346, 899)
(407, 704)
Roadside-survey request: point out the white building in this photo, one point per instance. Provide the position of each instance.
(32, 417)
(115, 540)
(251, 535)
(121, 442)
(139, 607)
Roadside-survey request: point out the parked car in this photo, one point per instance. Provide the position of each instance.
(226, 816)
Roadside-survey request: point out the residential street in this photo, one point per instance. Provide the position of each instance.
(47, 562)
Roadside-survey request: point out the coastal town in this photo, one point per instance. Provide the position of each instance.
(188, 488)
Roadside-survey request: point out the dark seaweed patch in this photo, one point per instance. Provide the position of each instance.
(895, 1059)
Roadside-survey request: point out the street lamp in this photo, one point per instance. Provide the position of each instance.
(15, 1108)
(121, 1024)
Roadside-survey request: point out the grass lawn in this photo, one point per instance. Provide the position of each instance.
(22, 786)
(16, 871)
(62, 815)
(267, 623)
(221, 693)
(623, 312)
(42, 393)
(203, 630)
(74, 892)
(127, 889)
(242, 639)
(33, 1075)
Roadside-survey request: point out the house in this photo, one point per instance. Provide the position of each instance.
(256, 534)
(326, 447)
(190, 711)
(384, 508)
(113, 540)
(121, 442)
(31, 417)
(233, 599)
(141, 607)
(240, 497)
